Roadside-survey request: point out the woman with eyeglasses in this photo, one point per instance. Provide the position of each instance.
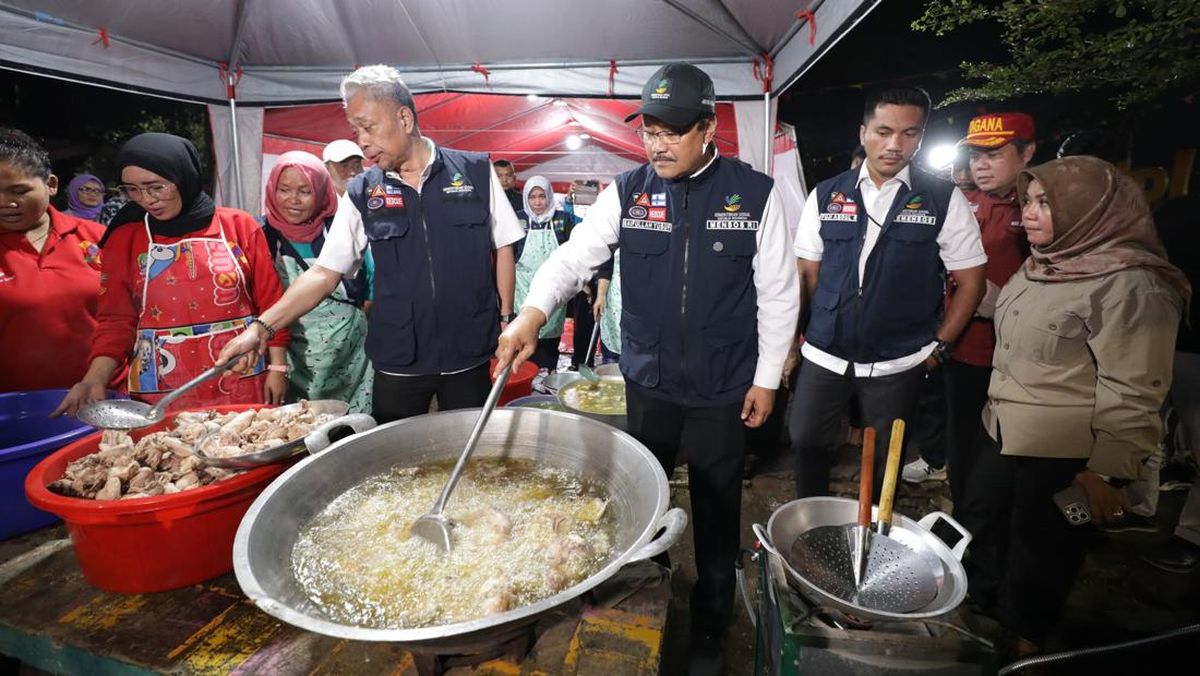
(327, 356)
(181, 278)
(49, 274)
(85, 197)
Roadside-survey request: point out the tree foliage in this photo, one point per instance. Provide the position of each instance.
(1135, 51)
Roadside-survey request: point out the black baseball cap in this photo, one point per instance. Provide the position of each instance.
(678, 94)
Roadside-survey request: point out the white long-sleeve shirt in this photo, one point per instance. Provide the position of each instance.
(775, 278)
(959, 245)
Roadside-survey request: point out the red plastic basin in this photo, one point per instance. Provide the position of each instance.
(520, 383)
(156, 543)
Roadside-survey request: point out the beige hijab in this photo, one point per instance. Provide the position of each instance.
(1102, 224)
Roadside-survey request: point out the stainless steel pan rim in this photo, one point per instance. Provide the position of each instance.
(644, 544)
(798, 516)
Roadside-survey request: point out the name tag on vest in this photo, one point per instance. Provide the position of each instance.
(731, 224)
(839, 217)
(923, 219)
(637, 224)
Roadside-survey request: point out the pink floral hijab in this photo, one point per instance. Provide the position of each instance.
(313, 171)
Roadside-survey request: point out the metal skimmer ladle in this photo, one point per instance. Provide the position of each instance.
(434, 526)
(898, 576)
(127, 414)
(585, 370)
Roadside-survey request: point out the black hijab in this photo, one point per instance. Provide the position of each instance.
(175, 159)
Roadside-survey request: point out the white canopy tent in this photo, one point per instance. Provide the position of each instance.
(241, 56)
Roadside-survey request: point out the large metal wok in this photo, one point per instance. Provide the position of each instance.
(636, 484)
(788, 522)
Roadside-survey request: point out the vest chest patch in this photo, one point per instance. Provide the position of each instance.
(458, 186)
(638, 224)
(731, 216)
(839, 217)
(920, 216)
(840, 203)
(731, 224)
(649, 206)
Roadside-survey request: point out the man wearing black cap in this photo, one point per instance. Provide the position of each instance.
(711, 298)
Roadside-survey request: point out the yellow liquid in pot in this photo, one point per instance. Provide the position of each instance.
(522, 532)
(603, 398)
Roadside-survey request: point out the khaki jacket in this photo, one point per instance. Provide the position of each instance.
(1081, 368)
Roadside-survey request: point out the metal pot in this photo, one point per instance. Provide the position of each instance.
(798, 516)
(556, 381)
(633, 479)
(620, 421)
(546, 402)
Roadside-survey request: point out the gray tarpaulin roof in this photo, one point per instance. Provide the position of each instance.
(292, 51)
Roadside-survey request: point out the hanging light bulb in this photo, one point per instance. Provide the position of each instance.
(574, 142)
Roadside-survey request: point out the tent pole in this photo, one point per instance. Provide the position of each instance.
(768, 134)
(237, 155)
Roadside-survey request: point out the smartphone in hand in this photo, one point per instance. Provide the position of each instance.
(1073, 504)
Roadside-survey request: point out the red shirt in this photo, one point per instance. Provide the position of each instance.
(1004, 242)
(122, 281)
(48, 304)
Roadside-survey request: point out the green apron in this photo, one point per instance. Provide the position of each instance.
(327, 355)
(540, 242)
(610, 318)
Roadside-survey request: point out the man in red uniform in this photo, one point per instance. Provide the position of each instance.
(1000, 145)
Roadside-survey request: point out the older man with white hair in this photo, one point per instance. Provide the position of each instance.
(432, 218)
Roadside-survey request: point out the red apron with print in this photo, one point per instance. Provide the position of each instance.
(194, 300)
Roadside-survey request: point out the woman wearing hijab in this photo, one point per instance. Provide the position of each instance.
(180, 279)
(1085, 334)
(49, 274)
(85, 197)
(545, 229)
(326, 355)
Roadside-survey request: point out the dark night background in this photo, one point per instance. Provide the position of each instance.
(83, 125)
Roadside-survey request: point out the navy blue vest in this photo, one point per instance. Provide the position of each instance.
(895, 310)
(435, 308)
(689, 319)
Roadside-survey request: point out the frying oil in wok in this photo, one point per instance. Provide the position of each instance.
(522, 533)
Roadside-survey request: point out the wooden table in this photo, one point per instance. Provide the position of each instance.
(52, 619)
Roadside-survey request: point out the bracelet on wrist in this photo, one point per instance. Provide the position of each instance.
(281, 368)
(942, 351)
(270, 331)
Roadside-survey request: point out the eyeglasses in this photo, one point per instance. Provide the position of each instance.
(156, 191)
(91, 190)
(667, 138)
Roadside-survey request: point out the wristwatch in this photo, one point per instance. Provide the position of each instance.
(942, 351)
(507, 319)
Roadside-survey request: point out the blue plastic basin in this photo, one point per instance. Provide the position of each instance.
(28, 434)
